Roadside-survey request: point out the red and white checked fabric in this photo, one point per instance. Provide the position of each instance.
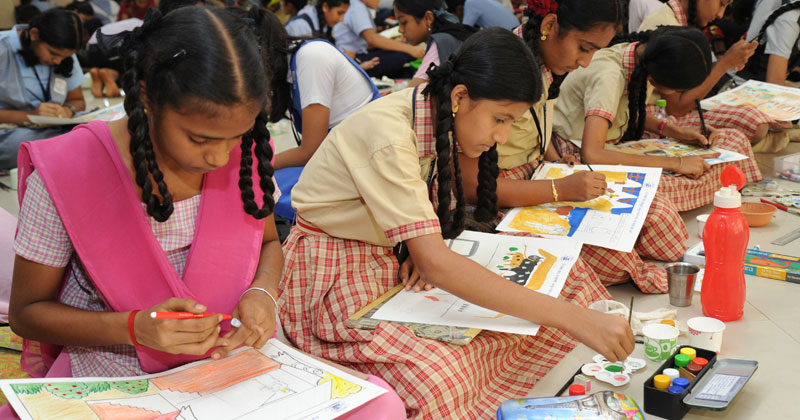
(662, 238)
(744, 118)
(42, 238)
(327, 279)
(680, 13)
(686, 193)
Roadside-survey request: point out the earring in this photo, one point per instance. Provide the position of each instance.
(455, 111)
(146, 111)
(544, 37)
(430, 28)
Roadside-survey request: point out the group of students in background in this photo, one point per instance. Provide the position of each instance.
(374, 186)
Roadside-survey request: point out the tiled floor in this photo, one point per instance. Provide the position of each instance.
(769, 331)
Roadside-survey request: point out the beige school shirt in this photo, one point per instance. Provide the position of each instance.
(669, 14)
(524, 145)
(600, 89)
(367, 180)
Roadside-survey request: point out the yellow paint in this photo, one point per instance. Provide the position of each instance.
(540, 275)
(340, 388)
(540, 220)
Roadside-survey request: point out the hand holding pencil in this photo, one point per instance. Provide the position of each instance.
(191, 332)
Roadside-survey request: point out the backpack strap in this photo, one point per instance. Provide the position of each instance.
(295, 109)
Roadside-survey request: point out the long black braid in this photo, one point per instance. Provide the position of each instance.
(532, 34)
(675, 57)
(774, 16)
(260, 137)
(691, 14)
(181, 71)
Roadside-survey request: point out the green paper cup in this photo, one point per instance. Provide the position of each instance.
(660, 341)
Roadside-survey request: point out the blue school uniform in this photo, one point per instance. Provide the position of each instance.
(24, 89)
(487, 14)
(305, 24)
(348, 33)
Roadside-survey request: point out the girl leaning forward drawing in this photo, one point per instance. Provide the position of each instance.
(386, 175)
(169, 209)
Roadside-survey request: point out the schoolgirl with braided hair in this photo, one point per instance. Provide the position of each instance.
(605, 103)
(126, 201)
(388, 174)
(565, 35)
(428, 21)
(775, 27)
(681, 106)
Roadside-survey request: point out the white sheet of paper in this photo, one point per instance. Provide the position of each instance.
(535, 263)
(106, 114)
(779, 102)
(275, 382)
(611, 221)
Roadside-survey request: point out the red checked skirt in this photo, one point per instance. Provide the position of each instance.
(744, 118)
(327, 279)
(662, 238)
(686, 193)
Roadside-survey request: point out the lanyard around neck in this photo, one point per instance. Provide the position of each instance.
(542, 138)
(45, 91)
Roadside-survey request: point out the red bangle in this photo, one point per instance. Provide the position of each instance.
(131, 317)
(661, 128)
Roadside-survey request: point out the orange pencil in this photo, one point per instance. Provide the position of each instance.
(184, 315)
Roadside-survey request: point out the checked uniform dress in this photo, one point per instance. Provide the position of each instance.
(361, 193)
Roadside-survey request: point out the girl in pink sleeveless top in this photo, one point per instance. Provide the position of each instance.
(156, 212)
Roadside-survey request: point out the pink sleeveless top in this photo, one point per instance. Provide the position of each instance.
(93, 192)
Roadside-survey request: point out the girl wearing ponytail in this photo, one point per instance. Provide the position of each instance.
(606, 103)
(428, 21)
(775, 26)
(387, 175)
(565, 35)
(681, 106)
(121, 204)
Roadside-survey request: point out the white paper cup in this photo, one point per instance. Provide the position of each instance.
(701, 224)
(660, 341)
(706, 333)
(12, 178)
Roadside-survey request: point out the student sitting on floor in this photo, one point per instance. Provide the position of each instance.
(776, 27)
(388, 174)
(572, 34)
(605, 102)
(175, 177)
(483, 13)
(318, 21)
(318, 84)
(39, 75)
(357, 37)
(427, 21)
(681, 106)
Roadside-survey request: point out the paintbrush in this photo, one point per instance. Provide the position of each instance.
(702, 123)
(630, 311)
(589, 166)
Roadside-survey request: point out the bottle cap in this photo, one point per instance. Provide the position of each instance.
(661, 381)
(692, 353)
(702, 361)
(694, 368)
(681, 360)
(676, 390)
(728, 196)
(661, 103)
(671, 373)
(681, 382)
(577, 390)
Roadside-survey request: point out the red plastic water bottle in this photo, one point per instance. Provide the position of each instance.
(725, 239)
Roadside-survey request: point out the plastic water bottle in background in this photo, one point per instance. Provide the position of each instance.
(725, 239)
(661, 114)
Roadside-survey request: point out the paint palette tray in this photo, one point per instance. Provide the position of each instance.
(714, 388)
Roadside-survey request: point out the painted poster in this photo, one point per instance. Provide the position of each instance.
(782, 103)
(106, 114)
(276, 382)
(538, 264)
(612, 220)
(667, 147)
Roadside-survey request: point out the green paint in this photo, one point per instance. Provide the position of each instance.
(513, 249)
(131, 387)
(27, 388)
(614, 368)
